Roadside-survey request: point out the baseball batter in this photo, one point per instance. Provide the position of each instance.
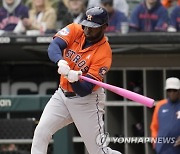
(78, 49)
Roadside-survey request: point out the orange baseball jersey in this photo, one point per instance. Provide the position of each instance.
(94, 60)
(155, 124)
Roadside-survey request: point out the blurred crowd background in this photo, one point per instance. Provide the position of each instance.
(37, 17)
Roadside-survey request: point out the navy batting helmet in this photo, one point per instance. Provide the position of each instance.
(95, 17)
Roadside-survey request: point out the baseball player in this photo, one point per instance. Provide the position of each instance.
(78, 49)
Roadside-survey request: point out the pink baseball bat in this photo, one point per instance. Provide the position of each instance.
(123, 92)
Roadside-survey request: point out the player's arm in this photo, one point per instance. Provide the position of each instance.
(55, 54)
(134, 20)
(163, 20)
(99, 67)
(154, 125)
(83, 88)
(173, 16)
(55, 49)
(121, 18)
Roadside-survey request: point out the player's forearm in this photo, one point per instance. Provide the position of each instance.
(82, 88)
(54, 52)
(55, 49)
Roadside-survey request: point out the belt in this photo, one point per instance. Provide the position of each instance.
(68, 94)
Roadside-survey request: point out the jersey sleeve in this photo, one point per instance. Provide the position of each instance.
(134, 20)
(25, 12)
(69, 33)
(173, 17)
(121, 18)
(162, 23)
(100, 64)
(154, 123)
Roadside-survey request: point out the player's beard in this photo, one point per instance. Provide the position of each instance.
(94, 38)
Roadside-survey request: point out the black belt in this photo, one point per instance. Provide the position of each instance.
(69, 94)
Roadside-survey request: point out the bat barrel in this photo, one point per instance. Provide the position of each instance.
(123, 92)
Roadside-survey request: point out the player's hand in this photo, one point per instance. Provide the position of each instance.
(63, 67)
(73, 76)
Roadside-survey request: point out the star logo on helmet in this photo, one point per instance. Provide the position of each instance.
(89, 17)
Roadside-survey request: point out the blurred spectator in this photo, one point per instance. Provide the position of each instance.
(11, 13)
(115, 17)
(120, 5)
(135, 86)
(42, 17)
(11, 149)
(138, 129)
(71, 11)
(149, 16)
(65, 2)
(168, 3)
(174, 24)
(77, 9)
(8, 147)
(64, 16)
